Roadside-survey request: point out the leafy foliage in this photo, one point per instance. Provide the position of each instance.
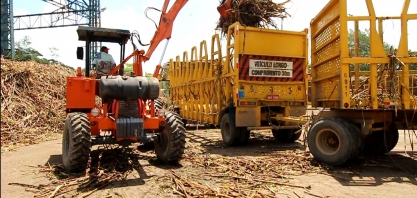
(128, 67)
(24, 52)
(365, 48)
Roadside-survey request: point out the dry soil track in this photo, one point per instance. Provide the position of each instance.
(388, 176)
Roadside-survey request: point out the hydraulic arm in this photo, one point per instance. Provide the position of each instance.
(162, 32)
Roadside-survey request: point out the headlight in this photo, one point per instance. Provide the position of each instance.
(161, 112)
(95, 112)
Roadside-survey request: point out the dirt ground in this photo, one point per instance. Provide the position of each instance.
(269, 168)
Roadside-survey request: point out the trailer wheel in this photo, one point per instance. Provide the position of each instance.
(378, 144)
(330, 141)
(230, 133)
(244, 136)
(394, 135)
(171, 144)
(286, 135)
(356, 136)
(76, 142)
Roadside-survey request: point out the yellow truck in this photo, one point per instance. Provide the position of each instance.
(256, 82)
(359, 117)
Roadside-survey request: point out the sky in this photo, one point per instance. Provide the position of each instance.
(194, 23)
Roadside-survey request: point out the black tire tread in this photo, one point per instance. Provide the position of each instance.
(288, 137)
(78, 154)
(356, 137)
(333, 161)
(376, 144)
(158, 104)
(244, 136)
(235, 134)
(175, 149)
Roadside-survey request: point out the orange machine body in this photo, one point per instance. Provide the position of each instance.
(81, 97)
(83, 90)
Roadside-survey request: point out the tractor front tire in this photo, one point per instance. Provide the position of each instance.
(171, 144)
(76, 142)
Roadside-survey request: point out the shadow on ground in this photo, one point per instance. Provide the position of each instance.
(261, 142)
(366, 171)
(108, 164)
(377, 170)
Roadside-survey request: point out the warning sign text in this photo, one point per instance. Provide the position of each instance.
(270, 64)
(270, 73)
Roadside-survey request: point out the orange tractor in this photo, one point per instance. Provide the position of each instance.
(130, 111)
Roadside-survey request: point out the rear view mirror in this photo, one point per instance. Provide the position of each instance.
(80, 53)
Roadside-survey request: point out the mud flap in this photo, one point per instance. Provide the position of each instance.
(248, 116)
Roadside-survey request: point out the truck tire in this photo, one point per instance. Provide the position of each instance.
(356, 135)
(378, 144)
(394, 135)
(76, 142)
(286, 135)
(230, 133)
(171, 144)
(331, 142)
(244, 136)
(356, 132)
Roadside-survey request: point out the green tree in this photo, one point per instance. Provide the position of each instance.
(24, 52)
(128, 68)
(413, 66)
(364, 48)
(165, 79)
(54, 52)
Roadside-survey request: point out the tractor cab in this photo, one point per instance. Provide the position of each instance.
(95, 34)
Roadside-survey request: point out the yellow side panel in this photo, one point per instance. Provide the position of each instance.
(272, 42)
(335, 65)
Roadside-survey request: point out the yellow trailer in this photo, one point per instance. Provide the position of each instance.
(358, 119)
(258, 82)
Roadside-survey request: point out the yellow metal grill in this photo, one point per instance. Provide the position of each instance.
(206, 81)
(331, 84)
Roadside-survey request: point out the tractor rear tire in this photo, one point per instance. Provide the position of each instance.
(170, 147)
(76, 142)
(158, 104)
(286, 135)
(331, 142)
(230, 133)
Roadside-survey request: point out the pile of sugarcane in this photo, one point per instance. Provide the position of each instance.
(253, 13)
(32, 101)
